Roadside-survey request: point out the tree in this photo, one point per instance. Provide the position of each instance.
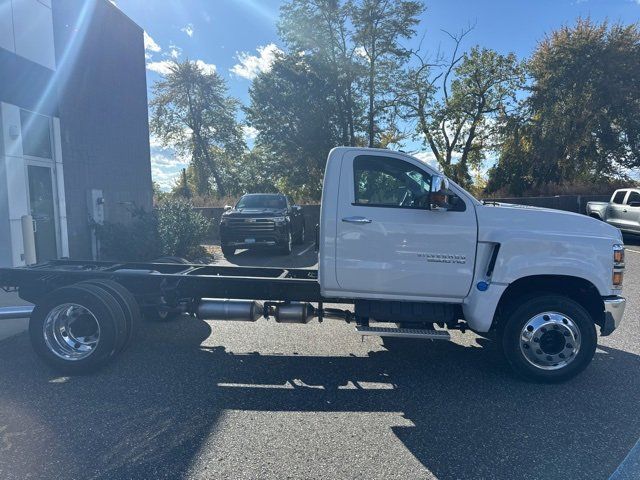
(321, 29)
(581, 122)
(192, 113)
(294, 110)
(182, 187)
(457, 104)
(380, 25)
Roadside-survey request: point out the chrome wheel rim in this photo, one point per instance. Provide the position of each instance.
(550, 341)
(71, 331)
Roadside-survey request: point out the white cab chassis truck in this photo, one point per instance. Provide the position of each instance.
(410, 254)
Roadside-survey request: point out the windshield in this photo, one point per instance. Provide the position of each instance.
(262, 201)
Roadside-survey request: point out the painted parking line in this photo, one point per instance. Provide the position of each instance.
(629, 469)
(310, 247)
(631, 250)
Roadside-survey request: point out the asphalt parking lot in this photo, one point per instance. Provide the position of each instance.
(195, 399)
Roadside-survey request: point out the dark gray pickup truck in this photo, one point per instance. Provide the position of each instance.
(261, 220)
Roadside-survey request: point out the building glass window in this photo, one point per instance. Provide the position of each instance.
(36, 135)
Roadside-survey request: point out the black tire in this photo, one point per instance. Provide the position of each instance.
(129, 305)
(301, 236)
(228, 252)
(106, 313)
(513, 345)
(286, 245)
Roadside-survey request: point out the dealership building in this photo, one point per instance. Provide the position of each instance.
(74, 133)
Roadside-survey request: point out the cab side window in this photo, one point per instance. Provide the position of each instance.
(633, 197)
(390, 182)
(618, 198)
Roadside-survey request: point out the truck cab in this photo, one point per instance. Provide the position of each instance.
(385, 241)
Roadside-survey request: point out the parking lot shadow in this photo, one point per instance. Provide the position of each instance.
(149, 414)
(631, 240)
(302, 256)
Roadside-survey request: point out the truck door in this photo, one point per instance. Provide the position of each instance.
(389, 242)
(630, 219)
(616, 207)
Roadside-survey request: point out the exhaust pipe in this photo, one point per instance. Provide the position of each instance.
(294, 312)
(250, 311)
(233, 310)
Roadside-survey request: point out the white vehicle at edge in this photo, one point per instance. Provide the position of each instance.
(542, 278)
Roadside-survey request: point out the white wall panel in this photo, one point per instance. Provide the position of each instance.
(33, 27)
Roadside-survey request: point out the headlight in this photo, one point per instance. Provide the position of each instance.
(618, 255)
(280, 220)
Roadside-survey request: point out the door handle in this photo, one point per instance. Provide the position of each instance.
(358, 220)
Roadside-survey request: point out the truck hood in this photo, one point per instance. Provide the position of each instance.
(540, 221)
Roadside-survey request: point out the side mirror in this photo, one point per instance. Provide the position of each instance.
(439, 194)
(227, 207)
(634, 204)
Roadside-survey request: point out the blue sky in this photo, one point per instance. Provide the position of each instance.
(237, 38)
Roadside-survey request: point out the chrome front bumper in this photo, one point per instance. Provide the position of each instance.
(613, 312)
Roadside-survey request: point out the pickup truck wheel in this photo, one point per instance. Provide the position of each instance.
(74, 329)
(549, 338)
(287, 245)
(301, 236)
(228, 252)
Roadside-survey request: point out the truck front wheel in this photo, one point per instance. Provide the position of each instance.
(549, 338)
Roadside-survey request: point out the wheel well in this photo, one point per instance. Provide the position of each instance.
(577, 289)
(596, 216)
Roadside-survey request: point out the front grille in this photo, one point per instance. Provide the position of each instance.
(250, 225)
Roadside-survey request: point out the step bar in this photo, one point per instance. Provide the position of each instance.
(404, 333)
(8, 313)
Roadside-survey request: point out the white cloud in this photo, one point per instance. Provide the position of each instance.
(174, 51)
(249, 66)
(188, 29)
(207, 68)
(150, 45)
(162, 67)
(361, 52)
(166, 167)
(250, 133)
(427, 157)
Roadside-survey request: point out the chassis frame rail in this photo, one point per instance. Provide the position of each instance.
(170, 282)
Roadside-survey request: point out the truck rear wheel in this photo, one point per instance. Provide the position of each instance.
(549, 338)
(76, 329)
(129, 306)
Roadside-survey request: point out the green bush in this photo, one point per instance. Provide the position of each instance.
(173, 228)
(181, 229)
